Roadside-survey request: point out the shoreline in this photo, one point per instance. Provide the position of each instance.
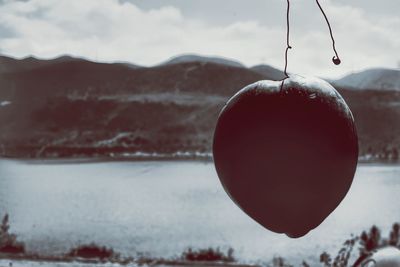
(119, 261)
(152, 158)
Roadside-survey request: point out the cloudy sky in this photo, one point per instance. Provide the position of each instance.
(147, 32)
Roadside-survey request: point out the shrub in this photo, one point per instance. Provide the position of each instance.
(92, 251)
(280, 262)
(209, 254)
(368, 242)
(394, 235)
(8, 242)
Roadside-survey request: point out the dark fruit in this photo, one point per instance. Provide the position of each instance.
(286, 155)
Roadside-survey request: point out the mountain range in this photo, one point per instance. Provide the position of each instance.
(70, 107)
(378, 78)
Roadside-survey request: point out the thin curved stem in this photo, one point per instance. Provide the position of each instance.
(287, 43)
(335, 59)
(287, 38)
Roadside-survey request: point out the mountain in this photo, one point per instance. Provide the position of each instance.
(378, 78)
(82, 77)
(86, 108)
(204, 59)
(128, 64)
(377, 116)
(10, 65)
(73, 107)
(270, 72)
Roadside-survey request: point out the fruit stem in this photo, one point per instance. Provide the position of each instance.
(287, 43)
(335, 59)
(287, 38)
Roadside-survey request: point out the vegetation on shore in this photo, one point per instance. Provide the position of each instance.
(366, 243)
(209, 254)
(11, 248)
(91, 251)
(8, 241)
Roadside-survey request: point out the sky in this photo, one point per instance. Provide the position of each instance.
(148, 32)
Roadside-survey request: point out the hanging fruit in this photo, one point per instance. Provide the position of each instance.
(286, 151)
(286, 156)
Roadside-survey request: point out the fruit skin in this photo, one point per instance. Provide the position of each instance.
(286, 153)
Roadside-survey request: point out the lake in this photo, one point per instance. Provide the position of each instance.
(161, 208)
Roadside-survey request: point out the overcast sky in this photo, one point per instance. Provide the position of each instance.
(147, 32)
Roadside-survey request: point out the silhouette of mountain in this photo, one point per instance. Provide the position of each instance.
(73, 107)
(9, 65)
(269, 72)
(378, 78)
(197, 58)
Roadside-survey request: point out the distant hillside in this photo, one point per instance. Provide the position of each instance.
(378, 79)
(86, 108)
(377, 117)
(82, 78)
(9, 65)
(197, 58)
(129, 65)
(74, 107)
(269, 72)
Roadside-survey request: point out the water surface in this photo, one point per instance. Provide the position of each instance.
(161, 208)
